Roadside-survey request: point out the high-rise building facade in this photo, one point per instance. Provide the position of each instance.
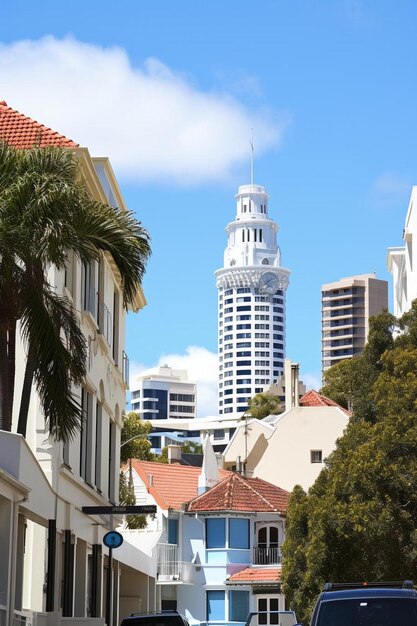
(164, 394)
(251, 303)
(347, 305)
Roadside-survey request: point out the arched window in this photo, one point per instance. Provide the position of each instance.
(265, 262)
(267, 551)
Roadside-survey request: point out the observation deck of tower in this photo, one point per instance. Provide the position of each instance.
(251, 303)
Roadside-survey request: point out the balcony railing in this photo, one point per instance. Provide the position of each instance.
(267, 556)
(169, 568)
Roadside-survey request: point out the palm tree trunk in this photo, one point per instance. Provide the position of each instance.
(6, 382)
(26, 395)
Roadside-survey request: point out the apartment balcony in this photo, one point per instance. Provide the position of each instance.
(169, 568)
(267, 556)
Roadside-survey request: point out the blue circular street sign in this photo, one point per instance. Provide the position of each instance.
(113, 539)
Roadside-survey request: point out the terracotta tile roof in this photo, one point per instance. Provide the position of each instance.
(23, 132)
(172, 484)
(313, 398)
(236, 493)
(257, 575)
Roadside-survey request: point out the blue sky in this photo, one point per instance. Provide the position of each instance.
(170, 91)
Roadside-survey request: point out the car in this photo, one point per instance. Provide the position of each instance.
(366, 604)
(163, 618)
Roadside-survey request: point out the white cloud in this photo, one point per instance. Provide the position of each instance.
(202, 368)
(150, 121)
(390, 188)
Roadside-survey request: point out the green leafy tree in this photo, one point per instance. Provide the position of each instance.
(349, 382)
(192, 447)
(264, 404)
(46, 212)
(358, 520)
(134, 442)
(127, 498)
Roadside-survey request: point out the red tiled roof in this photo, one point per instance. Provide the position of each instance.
(236, 493)
(313, 398)
(23, 132)
(172, 485)
(257, 575)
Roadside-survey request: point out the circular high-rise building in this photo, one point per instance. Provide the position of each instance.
(251, 303)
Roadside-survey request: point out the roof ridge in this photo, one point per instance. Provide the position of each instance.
(248, 486)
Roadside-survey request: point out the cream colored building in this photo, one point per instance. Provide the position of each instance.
(54, 564)
(347, 305)
(401, 262)
(288, 449)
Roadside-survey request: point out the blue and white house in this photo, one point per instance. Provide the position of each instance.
(217, 540)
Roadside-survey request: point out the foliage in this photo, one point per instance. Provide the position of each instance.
(264, 404)
(134, 442)
(358, 520)
(127, 498)
(350, 381)
(192, 447)
(163, 457)
(45, 213)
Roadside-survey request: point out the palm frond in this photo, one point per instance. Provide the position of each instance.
(58, 347)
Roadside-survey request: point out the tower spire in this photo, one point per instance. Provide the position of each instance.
(251, 158)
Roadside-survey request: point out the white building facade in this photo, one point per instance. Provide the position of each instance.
(56, 568)
(251, 303)
(401, 262)
(162, 395)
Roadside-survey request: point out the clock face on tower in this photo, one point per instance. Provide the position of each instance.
(268, 283)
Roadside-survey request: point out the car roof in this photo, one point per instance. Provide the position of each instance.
(368, 592)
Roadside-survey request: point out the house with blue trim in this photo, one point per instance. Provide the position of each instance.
(217, 539)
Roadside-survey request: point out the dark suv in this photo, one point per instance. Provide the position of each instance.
(165, 618)
(366, 604)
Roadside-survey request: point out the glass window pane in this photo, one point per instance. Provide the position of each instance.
(262, 537)
(215, 606)
(172, 531)
(273, 537)
(216, 533)
(238, 606)
(262, 606)
(238, 533)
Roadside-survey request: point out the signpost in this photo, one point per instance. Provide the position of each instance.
(114, 539)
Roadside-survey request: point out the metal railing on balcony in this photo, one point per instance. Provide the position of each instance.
(267, 556)
(169, 568)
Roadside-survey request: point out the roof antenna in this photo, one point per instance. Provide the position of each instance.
(251, 158)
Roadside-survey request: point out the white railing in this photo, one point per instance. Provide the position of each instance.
(169, 568)
(267, 556)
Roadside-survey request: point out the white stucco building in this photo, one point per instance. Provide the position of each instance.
(251, 303)
(401, 262)
(55, 568)
(288, 449)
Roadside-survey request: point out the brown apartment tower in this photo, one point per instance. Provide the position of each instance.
(346, 306)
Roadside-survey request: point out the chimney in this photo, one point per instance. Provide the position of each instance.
(295, 380)
(174, 453)
(288, 385)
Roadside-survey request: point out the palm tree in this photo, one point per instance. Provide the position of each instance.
(45, 212)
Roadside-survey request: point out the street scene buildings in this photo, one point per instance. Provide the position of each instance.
(211, 548)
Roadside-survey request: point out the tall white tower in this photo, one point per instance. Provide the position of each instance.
(251, 303)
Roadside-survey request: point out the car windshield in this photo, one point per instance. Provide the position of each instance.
(368, 612)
